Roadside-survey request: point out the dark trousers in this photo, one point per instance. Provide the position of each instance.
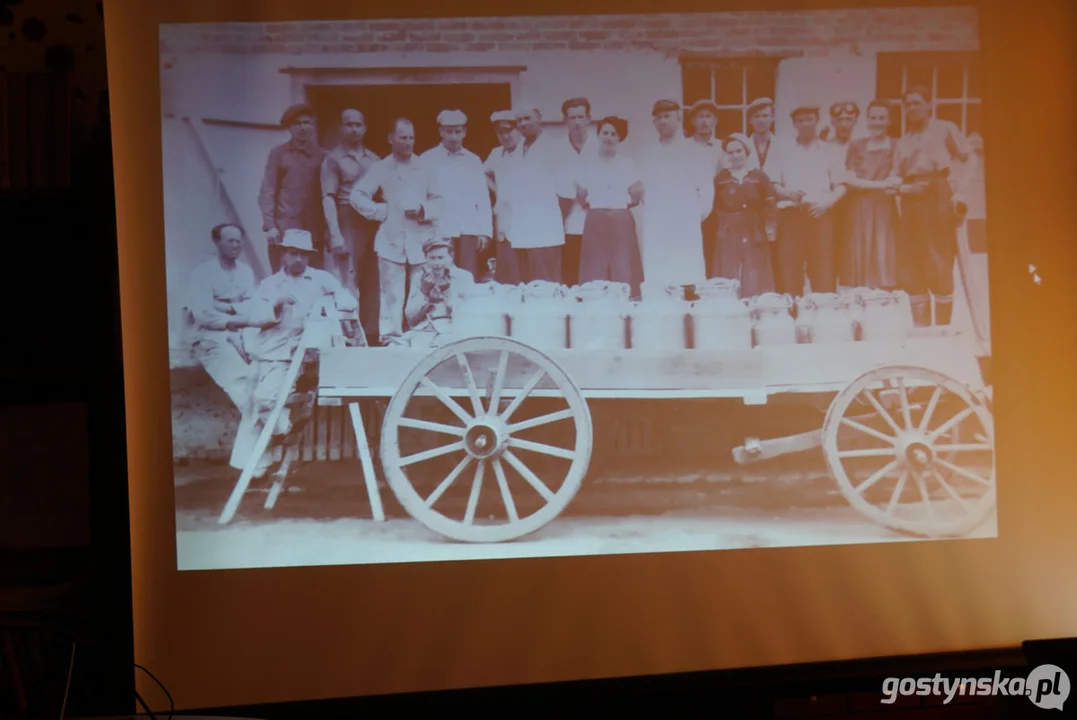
(539, 264)
(804, 244)
(359, 236)
(507, 271)
(570, 260)
(710, 232)
(466, 249)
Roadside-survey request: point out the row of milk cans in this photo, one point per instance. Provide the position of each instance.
(710, 316)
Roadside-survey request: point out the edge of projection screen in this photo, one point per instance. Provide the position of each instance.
(221, 638)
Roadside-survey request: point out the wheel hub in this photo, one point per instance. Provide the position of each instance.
(918, 453)
(485, 438)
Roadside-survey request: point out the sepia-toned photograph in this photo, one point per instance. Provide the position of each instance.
(505, 287)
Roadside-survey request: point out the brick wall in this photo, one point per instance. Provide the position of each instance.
(727, 34)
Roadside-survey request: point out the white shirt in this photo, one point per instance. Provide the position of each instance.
(531, 184)
(607, 181)
(712, 150)
(211, 284)
(572, 159)
(814, 169)
(278, 342)
(461, 179)
(400, 239)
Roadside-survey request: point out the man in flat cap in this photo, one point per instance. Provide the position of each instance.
(760, 114)
(678, 196)
(809, 181)
(578, 147)
(411, 203)
(282, 306)
(505, 269)
(703, 119)
(290, 195)
(843, 118)
(351, 256)
(535, 194)
(431, 300)
(467, 218)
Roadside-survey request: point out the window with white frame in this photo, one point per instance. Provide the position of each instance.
(953, 78)
(732, 83)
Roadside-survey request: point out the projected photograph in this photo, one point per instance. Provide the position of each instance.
(504, 287)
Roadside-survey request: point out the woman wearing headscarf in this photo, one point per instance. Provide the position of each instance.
(608, 186)
(868, 258)
(744, 204)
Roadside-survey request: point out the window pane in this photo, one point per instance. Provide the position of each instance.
(729, 85)
(949, 111)
(951, 76)
(729, 121)
(697, 83)
(974, 119)
(974, 76)
(918, 71)
(897, 124)
(761, 82)
(888, 76)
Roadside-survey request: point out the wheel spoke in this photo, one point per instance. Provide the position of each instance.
(871, 452)
(889, 439)
(519, 399)
(922, 488)
(430, 454)
(881, 410)
(494, 398)
(930, 409)
(526, 473)
(473, 498)
(942, 429)
(877, 476)
(963, 472)
(541, 420)
(472, 388)
(431, 426)
(905, 413)
(543, 448)
(898, 489)
(949, 490)
(963, 447)
(446, 400)
(448, 481)
(503, 486)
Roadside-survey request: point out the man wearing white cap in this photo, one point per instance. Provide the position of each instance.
(504, 121)
(411, 203)
(536, 197)
(281, 307)
(467, 218)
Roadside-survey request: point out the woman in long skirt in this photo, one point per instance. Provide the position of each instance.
(608, 186)
(744, 204)
(869, 259)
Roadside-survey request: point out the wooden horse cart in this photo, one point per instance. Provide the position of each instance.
(907, 437)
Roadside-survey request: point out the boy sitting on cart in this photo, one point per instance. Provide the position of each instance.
(430, 300)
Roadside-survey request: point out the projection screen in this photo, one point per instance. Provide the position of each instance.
(734, 414)
(448, 289)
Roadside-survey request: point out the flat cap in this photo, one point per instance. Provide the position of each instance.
(664, 106)
(704, 104)
(451, 118)
(298, 240)
(294, 112)
(503, 116)
(804, 109)
(435, 243)
(758, 104)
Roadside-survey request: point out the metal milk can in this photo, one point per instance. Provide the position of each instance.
(658, 322)
(772, 323)
(828, 317)
(541, 319)
(721, 323)
(884, 316)
(597, 320)
(481, 312)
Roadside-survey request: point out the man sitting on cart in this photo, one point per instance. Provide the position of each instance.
(285, 306)
(431, 299)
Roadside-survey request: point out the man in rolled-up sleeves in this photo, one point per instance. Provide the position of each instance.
(467, 217)
(412, 204)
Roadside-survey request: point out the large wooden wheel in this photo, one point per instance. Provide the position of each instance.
(506, 390)
(915, 452)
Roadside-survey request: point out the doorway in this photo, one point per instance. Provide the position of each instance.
(420, 103)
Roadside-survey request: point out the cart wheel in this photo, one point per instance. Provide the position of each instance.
(489, 442)
(931, 483)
